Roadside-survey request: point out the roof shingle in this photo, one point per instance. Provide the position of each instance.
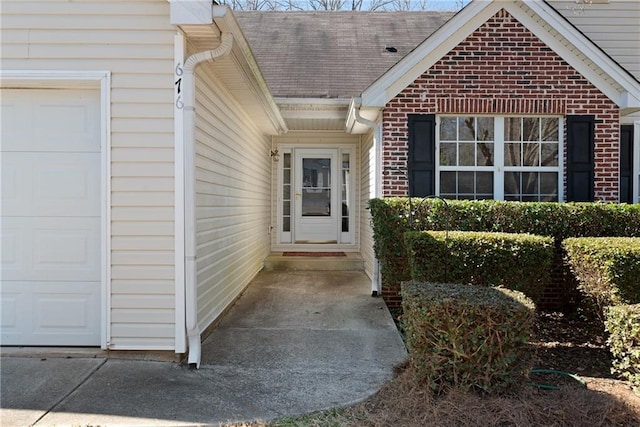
(332, 54)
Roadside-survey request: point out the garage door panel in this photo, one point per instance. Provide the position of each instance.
(51, 217)
(51, 184)
(51, 120)
(51, 249)
(60, 313)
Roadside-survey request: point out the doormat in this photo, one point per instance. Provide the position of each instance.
(314, 254)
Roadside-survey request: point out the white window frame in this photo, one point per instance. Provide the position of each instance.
(498, 167)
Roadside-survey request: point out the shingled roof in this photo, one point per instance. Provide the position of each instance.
(332, 54)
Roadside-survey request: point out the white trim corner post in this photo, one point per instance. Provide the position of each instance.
(189, 120)
(376, 281)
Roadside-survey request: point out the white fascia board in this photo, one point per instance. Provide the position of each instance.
(225, 20)
(190, 12)
(437, 45)
(627, 98)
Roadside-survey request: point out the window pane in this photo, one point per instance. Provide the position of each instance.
(530, 154)
(448, 129)
(511, 184)
(447, 183)
(512, 129)
(286, 192)
(466, 129)
(549, 183)
(466, 181)
(286, 208)
(287, 160)
(467, 155)
(529, 183)
(549, 155)
(530, 129)
(286, 224)
(485, 154)
(484, 184)
(512, 154)
(549, 129)
(485, 128)
(448, 154)
(286, 176)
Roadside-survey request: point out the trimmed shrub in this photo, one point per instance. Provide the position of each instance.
(623, 324)
(467, 337)
(392, 217)
(607, 269)
(520, 262)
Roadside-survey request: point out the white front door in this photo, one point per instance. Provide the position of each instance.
(316, 188)
(51, 197)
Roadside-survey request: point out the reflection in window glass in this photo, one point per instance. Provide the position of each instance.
(529, 162)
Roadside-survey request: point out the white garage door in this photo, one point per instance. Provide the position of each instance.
(50, 159)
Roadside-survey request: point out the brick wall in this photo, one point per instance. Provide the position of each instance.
(502, 68)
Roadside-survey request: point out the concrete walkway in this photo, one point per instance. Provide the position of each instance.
(295, 342)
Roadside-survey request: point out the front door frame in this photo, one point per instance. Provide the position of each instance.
(284, 223)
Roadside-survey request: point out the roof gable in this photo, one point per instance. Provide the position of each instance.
(537, 16)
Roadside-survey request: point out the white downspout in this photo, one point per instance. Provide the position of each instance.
(376, 286)
(191, 294)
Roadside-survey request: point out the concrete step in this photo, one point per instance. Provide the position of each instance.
(278, 262)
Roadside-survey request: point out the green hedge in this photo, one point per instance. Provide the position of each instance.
(623, 324)
(607, 268)
(467, 337)
(520, 262)
(390, 218)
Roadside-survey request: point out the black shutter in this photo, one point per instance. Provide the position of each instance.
(626, 164)
(422, 154)
(580, 158)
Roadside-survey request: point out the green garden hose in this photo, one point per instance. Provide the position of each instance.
(553, 371)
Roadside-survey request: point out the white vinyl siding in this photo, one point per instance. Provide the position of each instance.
(367, 185)
(134, 41)
(612, 25)
(233, 196)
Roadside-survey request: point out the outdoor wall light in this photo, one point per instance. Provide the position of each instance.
(275, 156)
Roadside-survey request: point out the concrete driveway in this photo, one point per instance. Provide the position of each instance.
(295, 342)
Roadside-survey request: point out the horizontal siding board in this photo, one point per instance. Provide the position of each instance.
(141, 155)
(86, 7)
(142, 213)
(142, 169)
(142, 330)
(142, 111)
(126, 243)
(142, 272)
(138, 257)
(142, 301)
(150, 316)
(12, 62)
(142, 228)
(142, 184)
(149, 139)
(144, 287)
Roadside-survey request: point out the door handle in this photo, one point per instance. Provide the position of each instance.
(297, 196)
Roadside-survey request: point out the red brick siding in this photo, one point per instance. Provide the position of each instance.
(502, 68)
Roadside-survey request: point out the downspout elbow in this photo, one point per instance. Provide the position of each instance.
(191, 294)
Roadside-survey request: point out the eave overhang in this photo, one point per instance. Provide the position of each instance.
(202, 24)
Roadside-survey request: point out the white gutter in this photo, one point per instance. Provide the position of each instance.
(376, 286)
(189, 112)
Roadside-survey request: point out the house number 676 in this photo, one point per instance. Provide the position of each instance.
(178, 84)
